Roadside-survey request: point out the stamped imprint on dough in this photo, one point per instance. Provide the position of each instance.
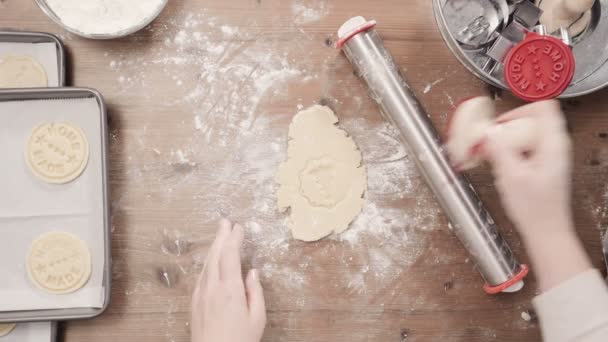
(322, 181)
(6, 328)
(59, 263)
(57, 152)
(21, 72)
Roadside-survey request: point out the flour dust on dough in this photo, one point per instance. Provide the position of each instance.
(57, 152)
(322, 181)
(6, 328)
(21, 72)
(59, 263)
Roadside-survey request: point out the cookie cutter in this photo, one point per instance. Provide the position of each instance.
(475, 22)
(30, 94)
(469, 219)
(590, 48)
(40, 37)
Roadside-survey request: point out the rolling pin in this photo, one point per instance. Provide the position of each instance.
(574, 15)
(469, 220)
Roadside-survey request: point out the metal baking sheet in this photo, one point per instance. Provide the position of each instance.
(80, 207)
(45, 48)
(32, 332)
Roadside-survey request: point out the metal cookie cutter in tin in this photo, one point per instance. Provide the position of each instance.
(475, 22)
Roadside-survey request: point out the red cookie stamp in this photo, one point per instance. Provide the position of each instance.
(539, 68)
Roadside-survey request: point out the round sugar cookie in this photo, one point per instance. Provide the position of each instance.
(21, 72)
(59, 263)
(6, 328)
(57, 152)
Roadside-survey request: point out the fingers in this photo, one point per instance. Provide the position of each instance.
(255, 298)
(211, 270)
(532, 109)
(555, 146)
(230, 262)
(500, 153)
(555, 141)
(550, 129)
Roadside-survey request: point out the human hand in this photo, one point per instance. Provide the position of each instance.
(535, 190)
(224, 308)
(534, 186)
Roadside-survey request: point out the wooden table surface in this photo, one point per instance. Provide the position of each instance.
(199, 105)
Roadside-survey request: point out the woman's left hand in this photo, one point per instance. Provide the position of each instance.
(224, 307)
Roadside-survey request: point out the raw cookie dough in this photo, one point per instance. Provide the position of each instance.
(6, 328)
(59, 263)
(21, 72)
(322, 180)
(57, 152)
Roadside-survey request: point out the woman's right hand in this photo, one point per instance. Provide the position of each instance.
(535, 190)
(534, 187)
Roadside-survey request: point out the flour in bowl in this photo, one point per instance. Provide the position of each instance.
(104, 17)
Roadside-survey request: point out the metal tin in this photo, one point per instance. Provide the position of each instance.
(475, 22)
(469, 219)
(75, 313)
(49, 13)
(39, 37)
(590, 51)
(54, 331)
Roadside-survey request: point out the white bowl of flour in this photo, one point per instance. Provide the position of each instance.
(102, 19)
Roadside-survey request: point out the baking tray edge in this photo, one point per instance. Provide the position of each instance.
(61, 54)
(77, 313)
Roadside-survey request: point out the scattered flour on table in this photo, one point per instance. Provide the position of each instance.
(449, 98)
(306, 12)
(224, 78)
(600, 214)
(430, 86)
(396, 236)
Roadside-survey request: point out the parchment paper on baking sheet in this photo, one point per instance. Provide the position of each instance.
(31, 332)
(25, 195)
(43, 53)
(29, 207)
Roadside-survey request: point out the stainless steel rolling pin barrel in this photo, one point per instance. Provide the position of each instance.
(469, 219)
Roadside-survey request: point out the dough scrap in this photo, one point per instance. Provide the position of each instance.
(57, 152)
(322, 180)
(59, 263)
(21, 72)
(6, 328)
